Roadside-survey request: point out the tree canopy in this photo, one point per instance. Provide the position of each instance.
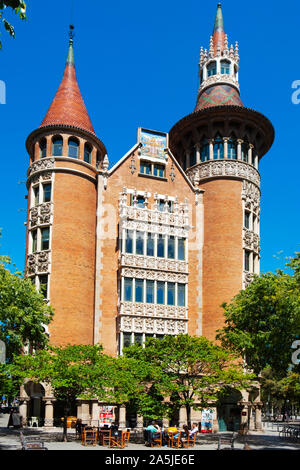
(18, 7)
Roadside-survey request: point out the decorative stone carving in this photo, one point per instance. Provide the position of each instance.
(34, 219)
(217, 79)
(45, 212)
(251, 240)
(152, 325)
(223, 168)
(154, 275)
(40, 165)
(38, 262)
(247, 279)
(147, 262)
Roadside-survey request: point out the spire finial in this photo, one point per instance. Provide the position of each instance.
(70, 58)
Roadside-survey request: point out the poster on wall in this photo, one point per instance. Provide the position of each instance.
(153, 143)
(207, 421)
(106, 415)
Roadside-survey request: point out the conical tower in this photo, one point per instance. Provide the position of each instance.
(65, 155)
(219, 146)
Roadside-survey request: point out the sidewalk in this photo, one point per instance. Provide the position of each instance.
(269, 440)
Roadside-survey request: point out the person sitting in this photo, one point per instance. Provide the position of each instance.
(152, 431)
(195, 428)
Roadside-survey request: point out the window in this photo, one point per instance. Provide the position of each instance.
(171, 293)
(126, 340)
(145, 168)
(247, 261)
(160, 293)
(244, 150)
(218, 148)
(204, 150)
(171, 247)
(73, 148)
(47, 192)
(45, 238)
(129, 241)
(43, 148)
(34, 240)
(247, 219)
(138, 338)
(193, 159)
(162, 205)
(139, 290)
(87, 153)
(212, 69)
(127, 289)
(232, 151)
(159, 170)
(181, 295)
(150, 292)
(139, 247)
(150, 244)
(161, 246)
(36, 195)
(57, 146)
(225, 67)
(140, 201)
(181, 249)
(43, 281)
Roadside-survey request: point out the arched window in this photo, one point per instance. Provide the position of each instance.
(43, 148)
(57, 146)
(225, 67)
(204, 150)
(218, 148)
(232, 149)
(212, 69)
(193, 157)
(244, 150)
(87, 153)
(73, 148)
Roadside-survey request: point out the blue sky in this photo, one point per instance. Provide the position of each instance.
(136, 65)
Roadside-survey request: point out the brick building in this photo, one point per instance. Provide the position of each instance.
(153, 245)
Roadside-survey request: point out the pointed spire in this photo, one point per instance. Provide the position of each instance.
(219, 31)
(67, 107)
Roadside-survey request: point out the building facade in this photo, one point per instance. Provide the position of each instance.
(155, 244)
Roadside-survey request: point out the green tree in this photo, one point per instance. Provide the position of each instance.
(18, 7)
(263, 320)
(23, 313)
(185, 371)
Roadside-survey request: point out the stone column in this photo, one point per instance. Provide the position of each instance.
(251, 418)
(211, 149)
(225, 139)
(95, 413)
(251, 146)
(239, 149)
(23, 404)
(165, 423)
(85, 412)
(258, 424)
(49, 409)
(140, 422)
(197, 153)
(122, 417)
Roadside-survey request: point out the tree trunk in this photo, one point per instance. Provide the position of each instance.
(65, 438)
(188, 415)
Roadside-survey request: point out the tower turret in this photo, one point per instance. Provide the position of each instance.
(219, 146)
(65, 155)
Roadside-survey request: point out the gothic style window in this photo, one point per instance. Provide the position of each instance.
(181, 295)
(161, 246)
(212, 69)
(73, 148)
(139, 245)
(181, 249)
(150, 244)
(87, 153)
(171, 293)
(232, 149)
(247, 261)
(139, 290)
(129, 241)
(150, 292)
(36, 195)
(45, 238)
(127, 289)
(138, 338)
(34, 241)
(247, 219)
(43, 148)
(160, 293)
(171, 247)
(204, 150)
(193, 158)
(225, 67)
(244, 150)
(57, 146)
(47, 192)
(126, 340)
(218, 148)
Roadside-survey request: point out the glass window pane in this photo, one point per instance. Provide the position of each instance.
(171, 293)
(87, 153)
(150, 244)
(193, 157)
(47, 192)
(181, 248)
(140, 201)
(145, 168)
(126, 340)
(57, 147)
(247, 261)
(45, 239)
(159, 170)
(160, 293)
(139, 243)
(138, 338)
(73, 149)
(150, 292)
(171, 247)
(247, 219)
(129, 241)
(161, 246)
(139, 290)
(218, 148)
(181, 295)
(204, 151)
(43, 149)
(34, 240)
(43, 280)
(127, 289)
(36, 193)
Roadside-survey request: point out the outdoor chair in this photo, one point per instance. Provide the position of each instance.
(126, 437)
(189, 441)
(104, 437)
(89, 436)
(226, 441)
(157, 441)
(32, 442)
(120, 441)
(175, 443)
